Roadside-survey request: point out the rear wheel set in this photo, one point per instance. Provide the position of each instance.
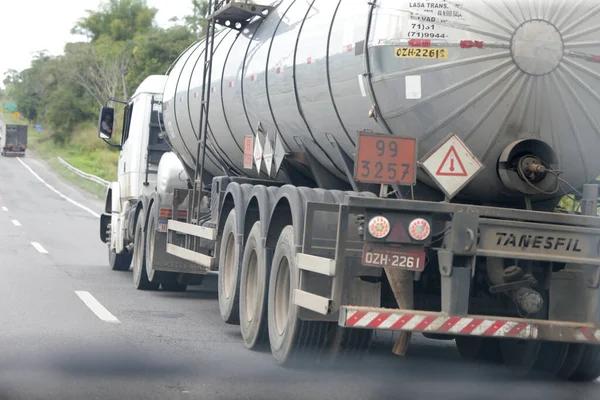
(166, 280)
(293, 340)
(144, 276)
(141, 280)
(268, 316)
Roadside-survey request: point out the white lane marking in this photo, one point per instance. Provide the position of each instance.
(57, 192)
(16, 223)
(96, 307)
(4, 208)
(39, 247)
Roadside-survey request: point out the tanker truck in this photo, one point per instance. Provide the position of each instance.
(348, 166)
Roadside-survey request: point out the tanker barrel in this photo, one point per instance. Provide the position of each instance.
(518, 90)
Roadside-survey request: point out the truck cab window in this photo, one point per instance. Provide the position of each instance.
(126, 123)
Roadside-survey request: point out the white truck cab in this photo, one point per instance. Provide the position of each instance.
(140, 151)
(138, 205)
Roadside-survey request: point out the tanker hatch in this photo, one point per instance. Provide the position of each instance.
(529, 167)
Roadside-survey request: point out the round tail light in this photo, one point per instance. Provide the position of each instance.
(419, 229)
(379, 227)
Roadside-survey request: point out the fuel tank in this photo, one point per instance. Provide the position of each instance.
(495, 72)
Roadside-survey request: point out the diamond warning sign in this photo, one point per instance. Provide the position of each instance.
(451, 165)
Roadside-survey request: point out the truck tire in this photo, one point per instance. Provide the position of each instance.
(229, 272)
(167, 280)
(572, 361)
(551, 359)
(289, 336)
(589, 366)
(153, 276)
(254, 286)
(140, 275)
(520, 356)
(476, 349)
(119, 262)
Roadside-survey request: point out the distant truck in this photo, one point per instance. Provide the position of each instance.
(13, 140)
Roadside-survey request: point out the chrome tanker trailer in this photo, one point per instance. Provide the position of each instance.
(348, 166)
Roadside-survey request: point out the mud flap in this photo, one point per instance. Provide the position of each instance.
(104, 222)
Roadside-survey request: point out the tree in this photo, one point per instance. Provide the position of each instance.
(154, 53)
(196, 22)
(119, 20)
(11, 76)
(125, 47)
(98, 67)
(28, 88)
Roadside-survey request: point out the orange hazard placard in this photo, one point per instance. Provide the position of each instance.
(386, 160)
(248, 151)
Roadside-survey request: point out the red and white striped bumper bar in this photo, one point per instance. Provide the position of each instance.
(469, 325)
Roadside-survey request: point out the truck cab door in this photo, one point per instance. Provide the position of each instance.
(124, 165)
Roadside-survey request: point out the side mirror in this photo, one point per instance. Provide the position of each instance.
(105, 123)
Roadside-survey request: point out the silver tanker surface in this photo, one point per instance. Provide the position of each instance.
(515, 69)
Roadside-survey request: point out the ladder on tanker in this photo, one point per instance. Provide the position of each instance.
(232, 14)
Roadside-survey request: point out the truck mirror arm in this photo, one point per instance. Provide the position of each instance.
(116, 146)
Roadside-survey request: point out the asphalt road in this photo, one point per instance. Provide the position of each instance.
(70, 328)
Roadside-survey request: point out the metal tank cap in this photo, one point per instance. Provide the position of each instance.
(537, 47)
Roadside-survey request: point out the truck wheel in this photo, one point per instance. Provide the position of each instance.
(289, 336)
(153, 275)
(229, 272)
(253, 290)
(589, 366)
(478, 349)
(572, 361)
(550, 360)
(140, 275)
(119, 262)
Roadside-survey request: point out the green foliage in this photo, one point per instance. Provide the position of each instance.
(125, 47)
(10, 76)
(196, 22)
(65, 93)
(155, 52)
(118, 20)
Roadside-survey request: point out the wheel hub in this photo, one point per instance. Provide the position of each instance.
(252, 287)
(228, 271)
(282, 296)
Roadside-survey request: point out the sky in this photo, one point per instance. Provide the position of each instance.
(28, 26)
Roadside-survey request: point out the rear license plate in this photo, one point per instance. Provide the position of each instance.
(393, 257)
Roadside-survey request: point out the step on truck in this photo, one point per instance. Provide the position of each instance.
(349, 166)
(13, 140)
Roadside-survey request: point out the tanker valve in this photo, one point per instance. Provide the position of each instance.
(531, 168)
